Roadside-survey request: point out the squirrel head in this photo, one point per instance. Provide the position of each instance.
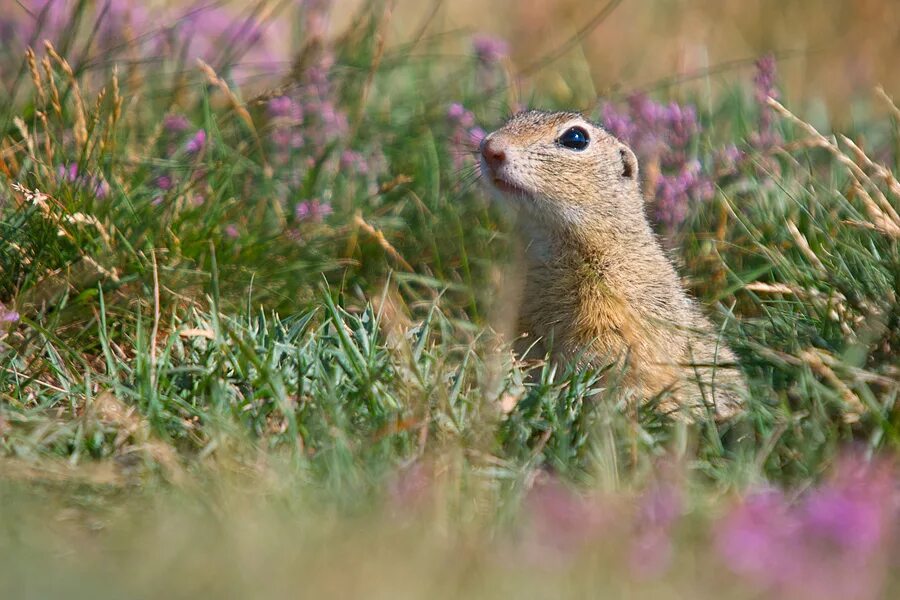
(562, 170)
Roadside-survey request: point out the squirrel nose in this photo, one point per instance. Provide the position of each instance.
(493, 152)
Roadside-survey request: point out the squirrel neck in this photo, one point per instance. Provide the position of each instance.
(620, 255)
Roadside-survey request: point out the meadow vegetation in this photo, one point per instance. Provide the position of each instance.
(255, 337)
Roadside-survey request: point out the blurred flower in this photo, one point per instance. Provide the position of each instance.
(489, 49)
(664, 137)
(458, 115)
(7, 316)
(476, 135)
(354, 161)
(728, 159)
(285, 107)
(100, 188)
(163, 182)
(455, 111)
(764, 80)
(93, 183)
(618, 123)
(176, 123)
(67, 173)
(231, 230)
(764, 88)
(411, 489)
(312, 210)
(465, 136)
(562, 521)
(196, 143)
(829, 544)
(651, 548)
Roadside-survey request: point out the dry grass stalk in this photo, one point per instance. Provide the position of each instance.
(116, 113)
(883, 173)
(48, 144)
(883, 214)
(879, 91)
(51, 83)
(220, 83)
(31, 59)
(805, 248)
(83, 219)
(880, 221)
(99, 140)
(770, 288)
(236, 105)
(26, 137)
(382, 241)
(855, 407)
(80, 126)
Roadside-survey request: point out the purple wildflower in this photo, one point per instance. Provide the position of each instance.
(763, 89)
(829, 544)
(465, 136)
(748, 537)
(312, 210)
(285, 107)
(476, 136)
(675, 192)
(728, 159)
(100, 188)
(68, 173)
(8, 316)
(94, 184)
(663, 136)
(176, 123)
(562, 522)
(618, 123)
(232, 231)
(489, 49)
(196, 143)
(458, 115)
(456, 111)
(163, 182)
(658, 510)
(355, 162)
(764, 80)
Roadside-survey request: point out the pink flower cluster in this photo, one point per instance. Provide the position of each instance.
(836, 540)
(664, 136)
(466, 136)
(488, 49)
(764, 88)
(832, 542)
(94, 184)
(666, 139)
(220, 33)
(7, 315)
(176, 144)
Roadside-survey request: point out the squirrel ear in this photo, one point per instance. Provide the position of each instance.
(629, 163)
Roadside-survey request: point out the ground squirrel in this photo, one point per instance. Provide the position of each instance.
(598, 286)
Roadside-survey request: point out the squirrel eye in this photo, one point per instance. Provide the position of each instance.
(574, 138)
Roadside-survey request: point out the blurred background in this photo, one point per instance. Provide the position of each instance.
(833, 51)
(829, 53)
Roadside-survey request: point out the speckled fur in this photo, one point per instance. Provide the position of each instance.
(599, 288)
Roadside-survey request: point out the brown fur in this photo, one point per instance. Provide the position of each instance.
(598, 286)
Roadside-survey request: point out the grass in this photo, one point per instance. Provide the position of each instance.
(210, 355)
